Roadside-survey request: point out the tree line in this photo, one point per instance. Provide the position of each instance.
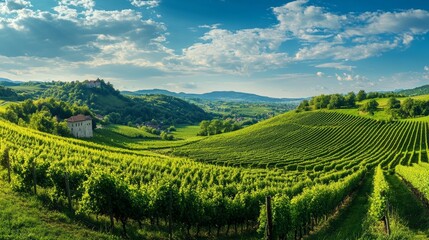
(46, 115)
(337, 101)
(217, 126)
(409, 108)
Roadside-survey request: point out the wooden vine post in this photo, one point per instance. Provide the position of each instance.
(34, 178)
(66, 176)
(170, 214)
(269, 231)
(386, 219)
(7, 160)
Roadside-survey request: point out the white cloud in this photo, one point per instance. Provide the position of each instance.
(321, 35)
(349, 77)
(78, 34)
(145, 3)
(212, 26)
(17, 4)
(309, 23)
(87, 4)
(426, 68)
(335, 65)
(320, 74)
(413, 21)
(236, 52)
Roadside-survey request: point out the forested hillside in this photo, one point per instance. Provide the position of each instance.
(416, 91)
(105, 100)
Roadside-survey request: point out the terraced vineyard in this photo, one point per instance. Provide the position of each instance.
(316, 141)
(310, 161)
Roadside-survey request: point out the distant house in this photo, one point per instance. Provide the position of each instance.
(93, 83)
(80, 126)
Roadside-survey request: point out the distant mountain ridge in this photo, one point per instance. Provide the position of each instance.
(228, 96)
(7, 82)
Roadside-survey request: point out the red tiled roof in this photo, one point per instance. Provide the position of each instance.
(79, 118)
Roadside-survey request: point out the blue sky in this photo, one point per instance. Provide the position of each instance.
(274, 48)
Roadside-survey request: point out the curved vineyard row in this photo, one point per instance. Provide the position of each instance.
(315, 159)
(315, 141)
(141, 185)
(418, 177)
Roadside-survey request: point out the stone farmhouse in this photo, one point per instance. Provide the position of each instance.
(80, 126)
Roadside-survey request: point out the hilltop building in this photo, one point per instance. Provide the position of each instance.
(93, 83)
(80, 126)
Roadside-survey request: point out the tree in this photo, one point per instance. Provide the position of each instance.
(42, 121)
(204, 125)
(336, 101)
(350, 99)
(215, 127)
(227, 126)
(394, 107)
(361, 95)
(393, 103)
(304, 105)
(369, 107)
(409, 108)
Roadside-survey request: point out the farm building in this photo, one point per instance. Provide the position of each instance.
(80, 126)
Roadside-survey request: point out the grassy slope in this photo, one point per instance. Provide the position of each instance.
(408, 208)
(350, 220)
(23, 217)
(130, 132)
(125, 137)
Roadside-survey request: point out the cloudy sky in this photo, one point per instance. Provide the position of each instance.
(269, 47)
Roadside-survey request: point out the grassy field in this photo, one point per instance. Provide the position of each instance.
(131, 132)
(137, 139)
(186, 132)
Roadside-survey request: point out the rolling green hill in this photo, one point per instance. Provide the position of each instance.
(226, 96)
(315, 141)
(105, 100)
(416, 91)
(312, 163)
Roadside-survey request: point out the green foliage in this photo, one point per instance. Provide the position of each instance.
(166, 136)
(379, 197)
(118, 109)
(361, 95)
(45, 115)
(107, 195)
(8, 94)
(369, 107)
(418, 176)
(216, 126)
(25, 217)
(316, 159)
(312, 141)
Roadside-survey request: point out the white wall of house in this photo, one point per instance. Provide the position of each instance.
(81, 129)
